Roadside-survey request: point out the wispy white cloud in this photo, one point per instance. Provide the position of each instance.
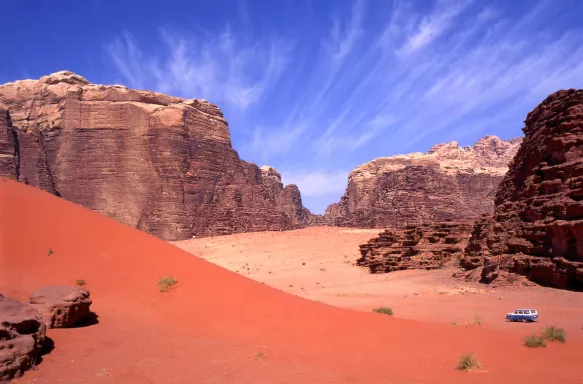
(220, 68)
(371, 79)
(435, 24)
(269, 141)
(342, 41)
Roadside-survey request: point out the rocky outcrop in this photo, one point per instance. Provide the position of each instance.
(537, 227)
(8, 146)
(22, 334)
(446, 183)
(159, 163)
(61, 306)
(426, 246)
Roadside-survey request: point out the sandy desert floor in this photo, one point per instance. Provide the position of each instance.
(216, 326)
(319, 264)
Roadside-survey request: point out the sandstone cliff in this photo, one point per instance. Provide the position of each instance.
(8, 149)
(537, 227)
(427, 246)
(446, 183)
(159, 163)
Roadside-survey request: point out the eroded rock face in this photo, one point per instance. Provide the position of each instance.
(159, 163)
(8, 145)
(61, 306)
(446, 183)
(537, 227)
(22, 334)
(427, 246)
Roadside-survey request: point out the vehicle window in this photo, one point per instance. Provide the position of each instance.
(527, 312)
(519, 312)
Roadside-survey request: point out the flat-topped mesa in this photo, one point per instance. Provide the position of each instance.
(537, 227)
(156, 162)
(447, 183)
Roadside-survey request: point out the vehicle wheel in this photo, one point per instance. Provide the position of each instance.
(524, 320)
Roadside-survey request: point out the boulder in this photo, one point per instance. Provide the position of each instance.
(447, 183)
(61, 306)
(22, 334)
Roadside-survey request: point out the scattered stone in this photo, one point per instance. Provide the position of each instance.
(61, 306)
(22, 334)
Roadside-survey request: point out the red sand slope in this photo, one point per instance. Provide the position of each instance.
(219, 327)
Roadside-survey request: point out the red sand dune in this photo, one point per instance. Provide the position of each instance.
(220, 327)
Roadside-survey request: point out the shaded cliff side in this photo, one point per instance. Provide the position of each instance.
(537, 227)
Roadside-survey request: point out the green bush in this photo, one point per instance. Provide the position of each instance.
(385, 310)
(534, 341)
(468, 363)
(166, 282)
(553, 333)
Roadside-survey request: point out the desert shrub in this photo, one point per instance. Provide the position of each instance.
(385, 310)
(468, 363)
(534, 341)
(553, 333)
(166, 282)
(513, 278)
(477, 320)
(80, 282)
(49, 252)
(260, 356)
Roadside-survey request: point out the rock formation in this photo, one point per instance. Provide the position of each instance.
(8, 148)
(447, 183)
(159, 163)
(426, 246)
(537, 227)
(61, 306)
(22, 334)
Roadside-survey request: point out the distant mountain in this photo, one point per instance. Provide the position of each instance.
(447, 183)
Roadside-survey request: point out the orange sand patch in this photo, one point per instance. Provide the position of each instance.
(216, 326)
(319, 264)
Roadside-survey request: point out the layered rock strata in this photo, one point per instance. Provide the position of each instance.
(426, 246)
(446, 183)
(537, 226)
(155, 162)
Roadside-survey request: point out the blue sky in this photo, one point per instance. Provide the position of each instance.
(315, 88)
